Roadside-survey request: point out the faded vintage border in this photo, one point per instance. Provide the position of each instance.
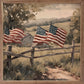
(81, 2)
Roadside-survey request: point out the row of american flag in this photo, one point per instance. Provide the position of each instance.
(55, 35)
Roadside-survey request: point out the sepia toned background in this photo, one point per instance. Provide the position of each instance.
(56, 24)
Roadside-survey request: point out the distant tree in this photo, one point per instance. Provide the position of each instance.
(74, 33)
(16, 14)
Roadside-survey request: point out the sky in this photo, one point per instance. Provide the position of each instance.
(57, 11)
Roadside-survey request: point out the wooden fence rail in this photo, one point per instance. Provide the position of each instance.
(55, 54)
(57, 48)
(9, 53)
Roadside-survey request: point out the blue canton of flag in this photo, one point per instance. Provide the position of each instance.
(6, 31)
(40, 36)
(53, 29)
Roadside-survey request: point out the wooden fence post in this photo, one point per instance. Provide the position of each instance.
(9, 56)
(32, 57)
(72, 54)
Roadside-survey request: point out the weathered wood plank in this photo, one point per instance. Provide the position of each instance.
(55, 54)
(20, 55)
(72, 54)
(1, 41)
(56, 48)
(82, 42)
(9, 56)
(42, 1)
(32, 57)
(13, 54)
(16, 55)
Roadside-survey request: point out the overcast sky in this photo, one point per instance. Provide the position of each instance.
(57, 11)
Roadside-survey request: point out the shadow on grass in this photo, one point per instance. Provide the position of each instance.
(26, 72)
(21, 72)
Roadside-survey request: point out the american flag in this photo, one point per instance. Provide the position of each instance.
(14, 36)
(40, 36)
(7, 37)
(56, 35)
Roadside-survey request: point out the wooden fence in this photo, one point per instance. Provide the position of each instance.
(9, 53)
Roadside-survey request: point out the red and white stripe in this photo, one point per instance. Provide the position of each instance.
(59, 38)
(16, 39)
(17, 32)
(40, 39)
(15, 36)
(7, 38)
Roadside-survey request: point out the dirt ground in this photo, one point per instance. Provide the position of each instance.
(60, 74)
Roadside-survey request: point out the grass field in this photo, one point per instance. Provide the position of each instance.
(19, 65)
(21, 68)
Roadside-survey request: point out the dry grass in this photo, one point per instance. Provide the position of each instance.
(22, 70)
(63, 61)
